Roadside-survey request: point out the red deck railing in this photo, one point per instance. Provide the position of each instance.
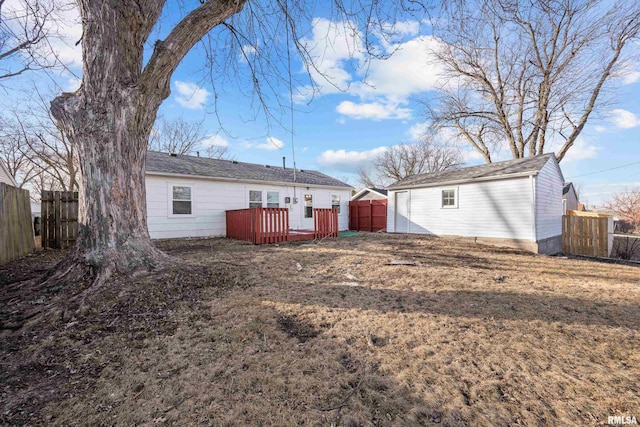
(271, 225)
(259, 225)
(325, 223)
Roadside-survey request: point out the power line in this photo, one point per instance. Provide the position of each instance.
(604, 170)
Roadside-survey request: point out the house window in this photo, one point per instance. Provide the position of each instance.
(273, 199)
(308, 206)
(182, 202)
(335, 202)
(449, 198)
(255, 199)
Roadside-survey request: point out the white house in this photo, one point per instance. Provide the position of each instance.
(516, 203)
(6, 177)
(569, 198)
(370, 194)
(187, 196)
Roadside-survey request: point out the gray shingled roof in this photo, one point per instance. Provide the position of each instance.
(500, 169)
(228, 169)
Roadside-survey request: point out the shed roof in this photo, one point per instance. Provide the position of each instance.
(497, 170)
(230, 169)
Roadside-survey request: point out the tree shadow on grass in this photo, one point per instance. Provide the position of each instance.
(471, 305)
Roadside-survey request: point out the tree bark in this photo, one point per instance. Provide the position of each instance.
(109, 120)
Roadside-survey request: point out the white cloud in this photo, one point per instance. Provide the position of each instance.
(600, 129)
(410, 70)
(270, 144)
(623, 119)
(629, 71)
(383, 86)
(62, 26)
(331, 46)
(73, 84)
(581, 150)
(417, 131)
(347, 161)
(214, 141)
(190, 95)
(373, 110)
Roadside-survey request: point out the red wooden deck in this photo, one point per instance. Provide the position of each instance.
(271, 225)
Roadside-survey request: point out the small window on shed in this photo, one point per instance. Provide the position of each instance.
(182, 203)
(273, 199)
(255, 199)
(335, 202)
(450, 198)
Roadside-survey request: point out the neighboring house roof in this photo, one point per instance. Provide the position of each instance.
(509, 168)
(567, 186)
(360, 193)
(6, 177)
(165, 163)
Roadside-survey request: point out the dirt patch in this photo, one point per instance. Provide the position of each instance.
(297, 328)
(321, 334)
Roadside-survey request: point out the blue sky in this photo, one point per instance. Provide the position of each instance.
(357, 116)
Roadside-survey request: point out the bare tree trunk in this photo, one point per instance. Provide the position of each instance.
(114, 132)
(109, 120)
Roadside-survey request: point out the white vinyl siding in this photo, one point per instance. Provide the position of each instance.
(212, 198)
(494, 209)
(5, 177)
(548, 203)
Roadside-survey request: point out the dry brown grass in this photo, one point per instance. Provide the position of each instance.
(351, 341)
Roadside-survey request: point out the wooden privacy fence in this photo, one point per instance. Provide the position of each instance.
(368, 215)
(271, 225)
(325, 223)
(585, 233)
(59, 219)
(16, 227)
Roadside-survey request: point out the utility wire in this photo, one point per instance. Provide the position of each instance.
(293, 151)
(604, 170)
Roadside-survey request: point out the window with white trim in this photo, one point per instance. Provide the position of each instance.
(181, 198)
(335, 202)
(255, 199)
(450, 198)
(273, 199)
(308, 206)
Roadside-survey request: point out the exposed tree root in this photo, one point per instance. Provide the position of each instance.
(85, 278)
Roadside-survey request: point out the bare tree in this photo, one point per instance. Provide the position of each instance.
(110, 117)
(520, 74)
(176, 135)
(403, 160)
(181, 136)
(15, 153)
(627, 205)
(26, 29)
(217, 152)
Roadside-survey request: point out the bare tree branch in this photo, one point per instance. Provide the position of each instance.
(521, 74)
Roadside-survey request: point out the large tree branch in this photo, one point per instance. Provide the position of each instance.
(168, 53)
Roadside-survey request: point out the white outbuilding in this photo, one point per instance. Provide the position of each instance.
(516, 203)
